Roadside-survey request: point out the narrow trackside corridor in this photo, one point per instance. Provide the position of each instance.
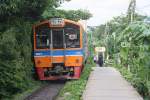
(106, 83)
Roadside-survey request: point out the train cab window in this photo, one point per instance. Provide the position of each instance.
(72, 36)
(42, 38)
(58, 39)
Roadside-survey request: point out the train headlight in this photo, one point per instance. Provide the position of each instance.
(77, 60)
(38, 62)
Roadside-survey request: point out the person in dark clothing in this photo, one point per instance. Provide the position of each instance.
(100, 60)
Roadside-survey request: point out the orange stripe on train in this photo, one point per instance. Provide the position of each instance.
(68, 61)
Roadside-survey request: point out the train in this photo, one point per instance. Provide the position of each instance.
(59, 49)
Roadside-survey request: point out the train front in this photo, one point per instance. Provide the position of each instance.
(58, 50)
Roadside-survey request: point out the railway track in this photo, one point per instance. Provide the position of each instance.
(47, 92)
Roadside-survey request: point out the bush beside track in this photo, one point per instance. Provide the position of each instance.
(136, 82)
(23, 95)
(73, 89)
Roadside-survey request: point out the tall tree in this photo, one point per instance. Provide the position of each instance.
(25, 8)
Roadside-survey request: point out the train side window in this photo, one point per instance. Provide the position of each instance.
(43, 38)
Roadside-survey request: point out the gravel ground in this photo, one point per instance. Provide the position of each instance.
(48, 92)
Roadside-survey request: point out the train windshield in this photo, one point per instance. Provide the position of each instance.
(43, 37)
(72, 36)
(58, 39)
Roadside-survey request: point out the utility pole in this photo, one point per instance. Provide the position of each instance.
(131, 17)
(131, 11)
(106, 28)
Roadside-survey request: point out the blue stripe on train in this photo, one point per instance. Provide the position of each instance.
(58, 52)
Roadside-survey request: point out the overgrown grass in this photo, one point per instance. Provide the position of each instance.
(140, 85)
(23, 95)
(73, 89)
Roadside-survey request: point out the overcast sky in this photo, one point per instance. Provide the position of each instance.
(104, 10)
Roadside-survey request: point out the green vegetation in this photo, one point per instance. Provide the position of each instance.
(22, 95)
(16, 20)
(128, 49)
(70, 14)
(15, 59)
(73, 89)
(134, 55)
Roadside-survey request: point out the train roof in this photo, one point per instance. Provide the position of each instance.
(65, 20)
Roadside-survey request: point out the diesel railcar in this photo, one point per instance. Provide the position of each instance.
(60, 49)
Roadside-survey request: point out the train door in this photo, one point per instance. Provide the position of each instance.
(57, 45)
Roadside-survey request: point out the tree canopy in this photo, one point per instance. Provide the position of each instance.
(26, 8)
(69, 14)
